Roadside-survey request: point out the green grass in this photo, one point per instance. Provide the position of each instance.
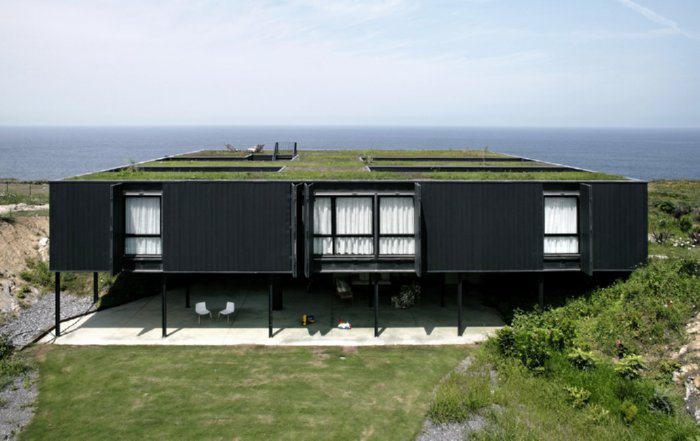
(343, 165)
(21, 192)
(246, 393)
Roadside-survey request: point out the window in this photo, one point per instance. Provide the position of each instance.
(344, 225)
(561, 225)
(142, 226)
(396, 226)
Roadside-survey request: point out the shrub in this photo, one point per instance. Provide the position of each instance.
(667, 207)
(685, 223)
(7, 218)
(408, 294)
(630, 367)
(661, 403)
(505, 340)
(6, 348)
(597, 414)
(629, 411)
(578, 396)
(581, 359)
(660, 237)
(667, 368)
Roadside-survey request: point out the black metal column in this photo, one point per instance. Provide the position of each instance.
(277, 294)
(376, 304)
(58, 304)
(442, 292)
(459, 305)
(95, 288)
(187, 295)
(540, 291)
(269, 307)
(164, 301)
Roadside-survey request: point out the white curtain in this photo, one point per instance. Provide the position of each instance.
(323, 245)
(322, 216)
(396, 216)
(561, 245)
(142, 245)
(142, 217)
(354, 245)
(353, 215)
(560, 215)
(397, 245)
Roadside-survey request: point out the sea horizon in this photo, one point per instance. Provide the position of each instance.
(48, 152)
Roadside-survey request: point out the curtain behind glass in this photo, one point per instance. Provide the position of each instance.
(143, 215)
(561, 245)
(322, 216)
(560, 215)
(396, 216)
(142, 245)
(353, 215)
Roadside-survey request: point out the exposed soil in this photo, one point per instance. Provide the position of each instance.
(25, 237)
(689, 373)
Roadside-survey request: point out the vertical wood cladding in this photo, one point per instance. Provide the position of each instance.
(482, 226)
(80, 222)
(227, 227)
(619, 225)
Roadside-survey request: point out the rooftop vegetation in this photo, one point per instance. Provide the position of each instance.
(344, 165)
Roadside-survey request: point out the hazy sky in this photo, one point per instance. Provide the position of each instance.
(396, 62)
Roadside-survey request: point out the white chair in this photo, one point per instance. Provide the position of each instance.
(201, 309)
(257, 148)
(230, 307)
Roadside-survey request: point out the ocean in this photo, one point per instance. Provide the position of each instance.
(46, 153)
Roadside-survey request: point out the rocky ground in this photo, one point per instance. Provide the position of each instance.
(25, 237)
(689, 373)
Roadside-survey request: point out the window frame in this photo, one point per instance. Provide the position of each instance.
(130, 195)
(375, 235)
(577, 235)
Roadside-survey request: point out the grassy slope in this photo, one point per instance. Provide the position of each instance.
(247, 393)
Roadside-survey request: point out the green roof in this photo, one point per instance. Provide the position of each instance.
(342, 165)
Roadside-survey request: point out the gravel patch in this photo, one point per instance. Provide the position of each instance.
(17, 405)
(36, 320)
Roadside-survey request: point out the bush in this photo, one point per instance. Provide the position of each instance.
(407, 297)
(685, 223)
(661, 403)
(6, 348)
(630, 367)
(629, 411)
(581, 359)
(578, 396)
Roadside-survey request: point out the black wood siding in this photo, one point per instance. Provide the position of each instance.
(482, 226)
(227, 227)
(619, 225)
(80, 222)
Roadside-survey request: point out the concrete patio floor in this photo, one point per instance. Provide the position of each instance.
(139, 322)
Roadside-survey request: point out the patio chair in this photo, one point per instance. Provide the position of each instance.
(201, 309)
(257, 148)
(230, 307)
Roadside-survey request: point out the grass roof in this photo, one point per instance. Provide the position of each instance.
(343, 165)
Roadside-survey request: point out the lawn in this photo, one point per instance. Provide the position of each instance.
(246, 393)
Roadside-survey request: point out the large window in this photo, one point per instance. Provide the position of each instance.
(561, 225)
(142, 226)
(345, 225)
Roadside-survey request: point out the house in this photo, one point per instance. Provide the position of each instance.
(346, 212)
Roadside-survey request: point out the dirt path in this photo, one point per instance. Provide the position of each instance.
(21, 207)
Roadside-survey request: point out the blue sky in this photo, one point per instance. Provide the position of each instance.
(619, 63)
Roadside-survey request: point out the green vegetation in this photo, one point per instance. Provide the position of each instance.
(11, 366)
(247, 393)
(674, 218)
(343, 165)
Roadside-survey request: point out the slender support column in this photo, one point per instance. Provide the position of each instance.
(187, 295)
(95, 288)
(58, 304)
(269, 308)
(376, 305)
(164, 305)
(459, 305)
(442, 293)
(540, 291)
(277, 294)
